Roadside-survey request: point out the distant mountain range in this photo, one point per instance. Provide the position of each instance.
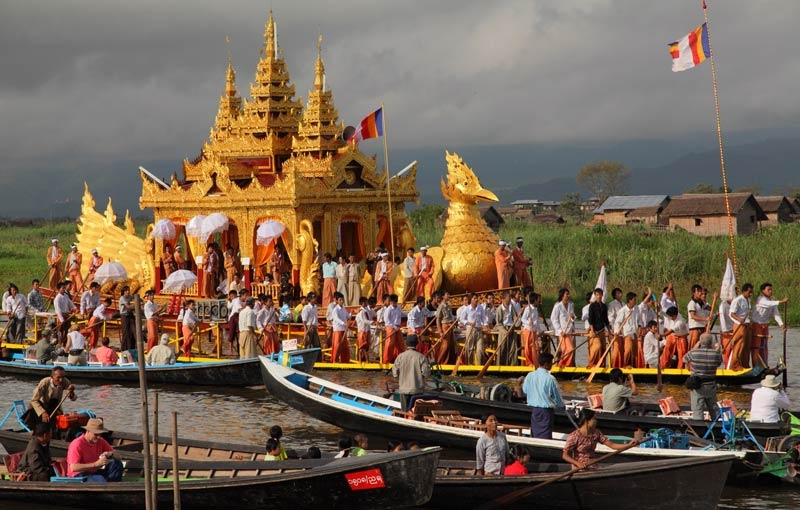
(53, 189)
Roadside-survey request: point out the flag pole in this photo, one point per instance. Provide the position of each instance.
(388, 180)
(719, 140)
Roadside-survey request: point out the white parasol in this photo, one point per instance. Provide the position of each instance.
(213, 223)
(163, 229)
(728, 290)
(179, 280)
(110, 271)
(195, 226)
(601, 282)
(268, 232)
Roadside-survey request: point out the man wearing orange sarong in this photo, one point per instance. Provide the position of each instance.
(598, 327)
(55, 258)
(92, 329)
(74, 261)
(328, 280)
(210, 271)
(562, 319)
(521, 264)
(189, 324)
(95, 262)
(765, 309)
(445, 349)
(340, 347)
(423, 272)
(742, 331)
(725, 330)
(676, 333)
(502, 262)
(625, 348)
(364, 319)
(530, 330)
(383, 272)
(168, 260)
(415, 323)
(151, 312)
(267, 322)
(394, 343)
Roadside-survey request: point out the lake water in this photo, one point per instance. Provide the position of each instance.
(244, 415)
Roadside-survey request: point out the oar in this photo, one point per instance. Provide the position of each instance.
(63, 398)
(515, 496)
(562, 336)
(500, 343)
(710, 323)
(786, 317)
(11, 316)
(442, 336)
(555, 360)
(608, 349)
(659, 381)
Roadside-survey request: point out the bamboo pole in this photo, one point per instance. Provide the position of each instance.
(176, 484)
(148, 488)
(155, 450)
(388, 181)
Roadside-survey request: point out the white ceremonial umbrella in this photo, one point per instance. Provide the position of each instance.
(163, 229)
(214, 222)
(179, 280)
(268, 232)
(195, 226)
(601, 283)
(110, 271)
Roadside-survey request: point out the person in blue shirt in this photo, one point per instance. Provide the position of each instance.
(285, 312)
(543, 396)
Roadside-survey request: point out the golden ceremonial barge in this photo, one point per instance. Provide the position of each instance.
(271, 159)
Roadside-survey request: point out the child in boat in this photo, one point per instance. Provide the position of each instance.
(276, 432)
(521, 457)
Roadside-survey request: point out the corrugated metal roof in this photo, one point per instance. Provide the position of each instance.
(630, 202)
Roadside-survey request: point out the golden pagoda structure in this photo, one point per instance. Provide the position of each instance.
(268, 158)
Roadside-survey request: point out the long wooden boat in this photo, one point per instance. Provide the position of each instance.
(211, 372)
(666, 484)
(393, 480)
(359, 411)
(646, 415)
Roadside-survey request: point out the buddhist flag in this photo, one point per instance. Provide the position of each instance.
(370, 127)
(690, 51)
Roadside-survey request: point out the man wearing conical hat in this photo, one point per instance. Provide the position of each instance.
(55, 259)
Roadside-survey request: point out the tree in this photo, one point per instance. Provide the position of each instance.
(571, 206)
(604, 178)
(700, 188)
(755, 189)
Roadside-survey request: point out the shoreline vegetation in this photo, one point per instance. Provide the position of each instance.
(563, 256)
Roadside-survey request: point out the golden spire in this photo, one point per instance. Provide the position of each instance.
(319, 68)
(230, 78)
(270, 41)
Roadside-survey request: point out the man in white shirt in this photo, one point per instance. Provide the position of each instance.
(235, 305)
(765, 309)
(64, 307)
(353, 276)
(625, 348)
(676, 333)
(668, 298)
(473, 344)
(394, 342)
(725, 329)
(99, 315)
(615, 305)
(698, 314)
(415, 322)
(530, 330)
(310, 321)
(507, 340)
(16, 306)
(742, 332)
(267, 323)
(652, 345)
(768, 400)
(188, 323)
(340, 347)
(90, 299)
(408, 275)
(562, 319)
(248, 346)
(364, 320)
(328, 279)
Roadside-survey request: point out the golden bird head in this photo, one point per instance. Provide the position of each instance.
(462, 183)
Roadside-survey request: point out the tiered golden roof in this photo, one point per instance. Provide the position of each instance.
(267, 158)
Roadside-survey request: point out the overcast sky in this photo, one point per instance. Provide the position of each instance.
(112, 79)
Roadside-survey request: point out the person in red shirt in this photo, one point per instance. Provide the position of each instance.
(521, 457)
(92, 457)
(105, 354)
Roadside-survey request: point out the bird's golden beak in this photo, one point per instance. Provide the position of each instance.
(484, 195)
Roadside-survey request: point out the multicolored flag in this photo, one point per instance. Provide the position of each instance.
(690, 51)
(370, 127)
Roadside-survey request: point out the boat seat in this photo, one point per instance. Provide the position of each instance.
(368, 406)
(126, 359)
(11, 461)
(30, 356)
(60, 466)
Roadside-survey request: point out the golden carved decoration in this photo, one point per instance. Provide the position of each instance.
(468, 243)
(113, 243)
(309, 250)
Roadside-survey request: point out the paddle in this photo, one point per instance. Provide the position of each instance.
(11, 316)
(515, 496)
(786, 317)
(608, 349)
(710, 323)
(63, 398)
(561, 338)
(555, 360)
(500, 343)
(659, 381)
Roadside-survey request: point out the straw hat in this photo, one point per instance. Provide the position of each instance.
(770, 381)
(95, 425)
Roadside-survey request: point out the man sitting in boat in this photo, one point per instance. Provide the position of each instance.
(45, 349)
(105, 354)
(581, 443)
(619, 389)
(35, 462)
(411, 368)
(768, 400)
(161, 354)
(47, 396)
(91, 456)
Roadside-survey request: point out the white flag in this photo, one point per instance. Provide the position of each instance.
(601, 283)
(728, 290)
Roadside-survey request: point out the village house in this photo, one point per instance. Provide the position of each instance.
(488, 213)
(777, 208)
(537, 206)
(624, 210)
(706, 215)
